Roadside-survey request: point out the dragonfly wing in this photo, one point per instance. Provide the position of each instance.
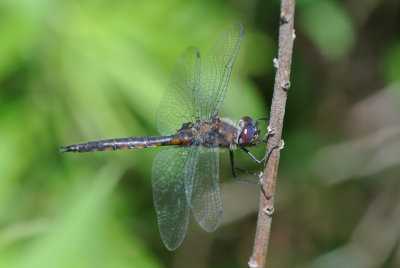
(178, 103)
(203, 192)
(216, 69)
(170, 168)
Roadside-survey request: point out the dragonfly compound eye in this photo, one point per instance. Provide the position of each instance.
(247, 135)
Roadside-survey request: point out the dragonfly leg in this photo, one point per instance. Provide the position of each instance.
(267, 155)
(234, 169)
(270, 132)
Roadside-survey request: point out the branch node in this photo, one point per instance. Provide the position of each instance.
(276, 63)
(252, 263)
(286, 86)
(270, 131)
(269, 210)
(281, 145)
(284, 19)
(261, 180)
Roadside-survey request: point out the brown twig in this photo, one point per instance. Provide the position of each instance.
(282, 84)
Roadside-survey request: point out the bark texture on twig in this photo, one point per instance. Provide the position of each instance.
(282, 84)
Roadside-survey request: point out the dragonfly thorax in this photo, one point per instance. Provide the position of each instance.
(212, 132)
(222, 132)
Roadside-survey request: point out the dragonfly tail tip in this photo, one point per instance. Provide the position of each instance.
(64, 149)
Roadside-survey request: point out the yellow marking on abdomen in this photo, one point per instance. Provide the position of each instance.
(175, 141)
(155, 144)
(140, 146)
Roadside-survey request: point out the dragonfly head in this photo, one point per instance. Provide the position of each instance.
(249, 131)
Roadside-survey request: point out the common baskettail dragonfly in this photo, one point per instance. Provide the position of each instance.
(185, 177)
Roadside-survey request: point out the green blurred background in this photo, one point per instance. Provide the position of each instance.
(74, 71)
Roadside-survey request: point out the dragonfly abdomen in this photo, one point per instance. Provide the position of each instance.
(125, 143)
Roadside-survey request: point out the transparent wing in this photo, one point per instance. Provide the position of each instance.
(216, 69)
(170, 168)
(178, 103)
(202, 189)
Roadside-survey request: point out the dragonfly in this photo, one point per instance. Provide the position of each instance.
(185, 176)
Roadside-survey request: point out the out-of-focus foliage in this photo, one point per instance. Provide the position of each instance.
(391, 63)
(79, 70)
(317, 20)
